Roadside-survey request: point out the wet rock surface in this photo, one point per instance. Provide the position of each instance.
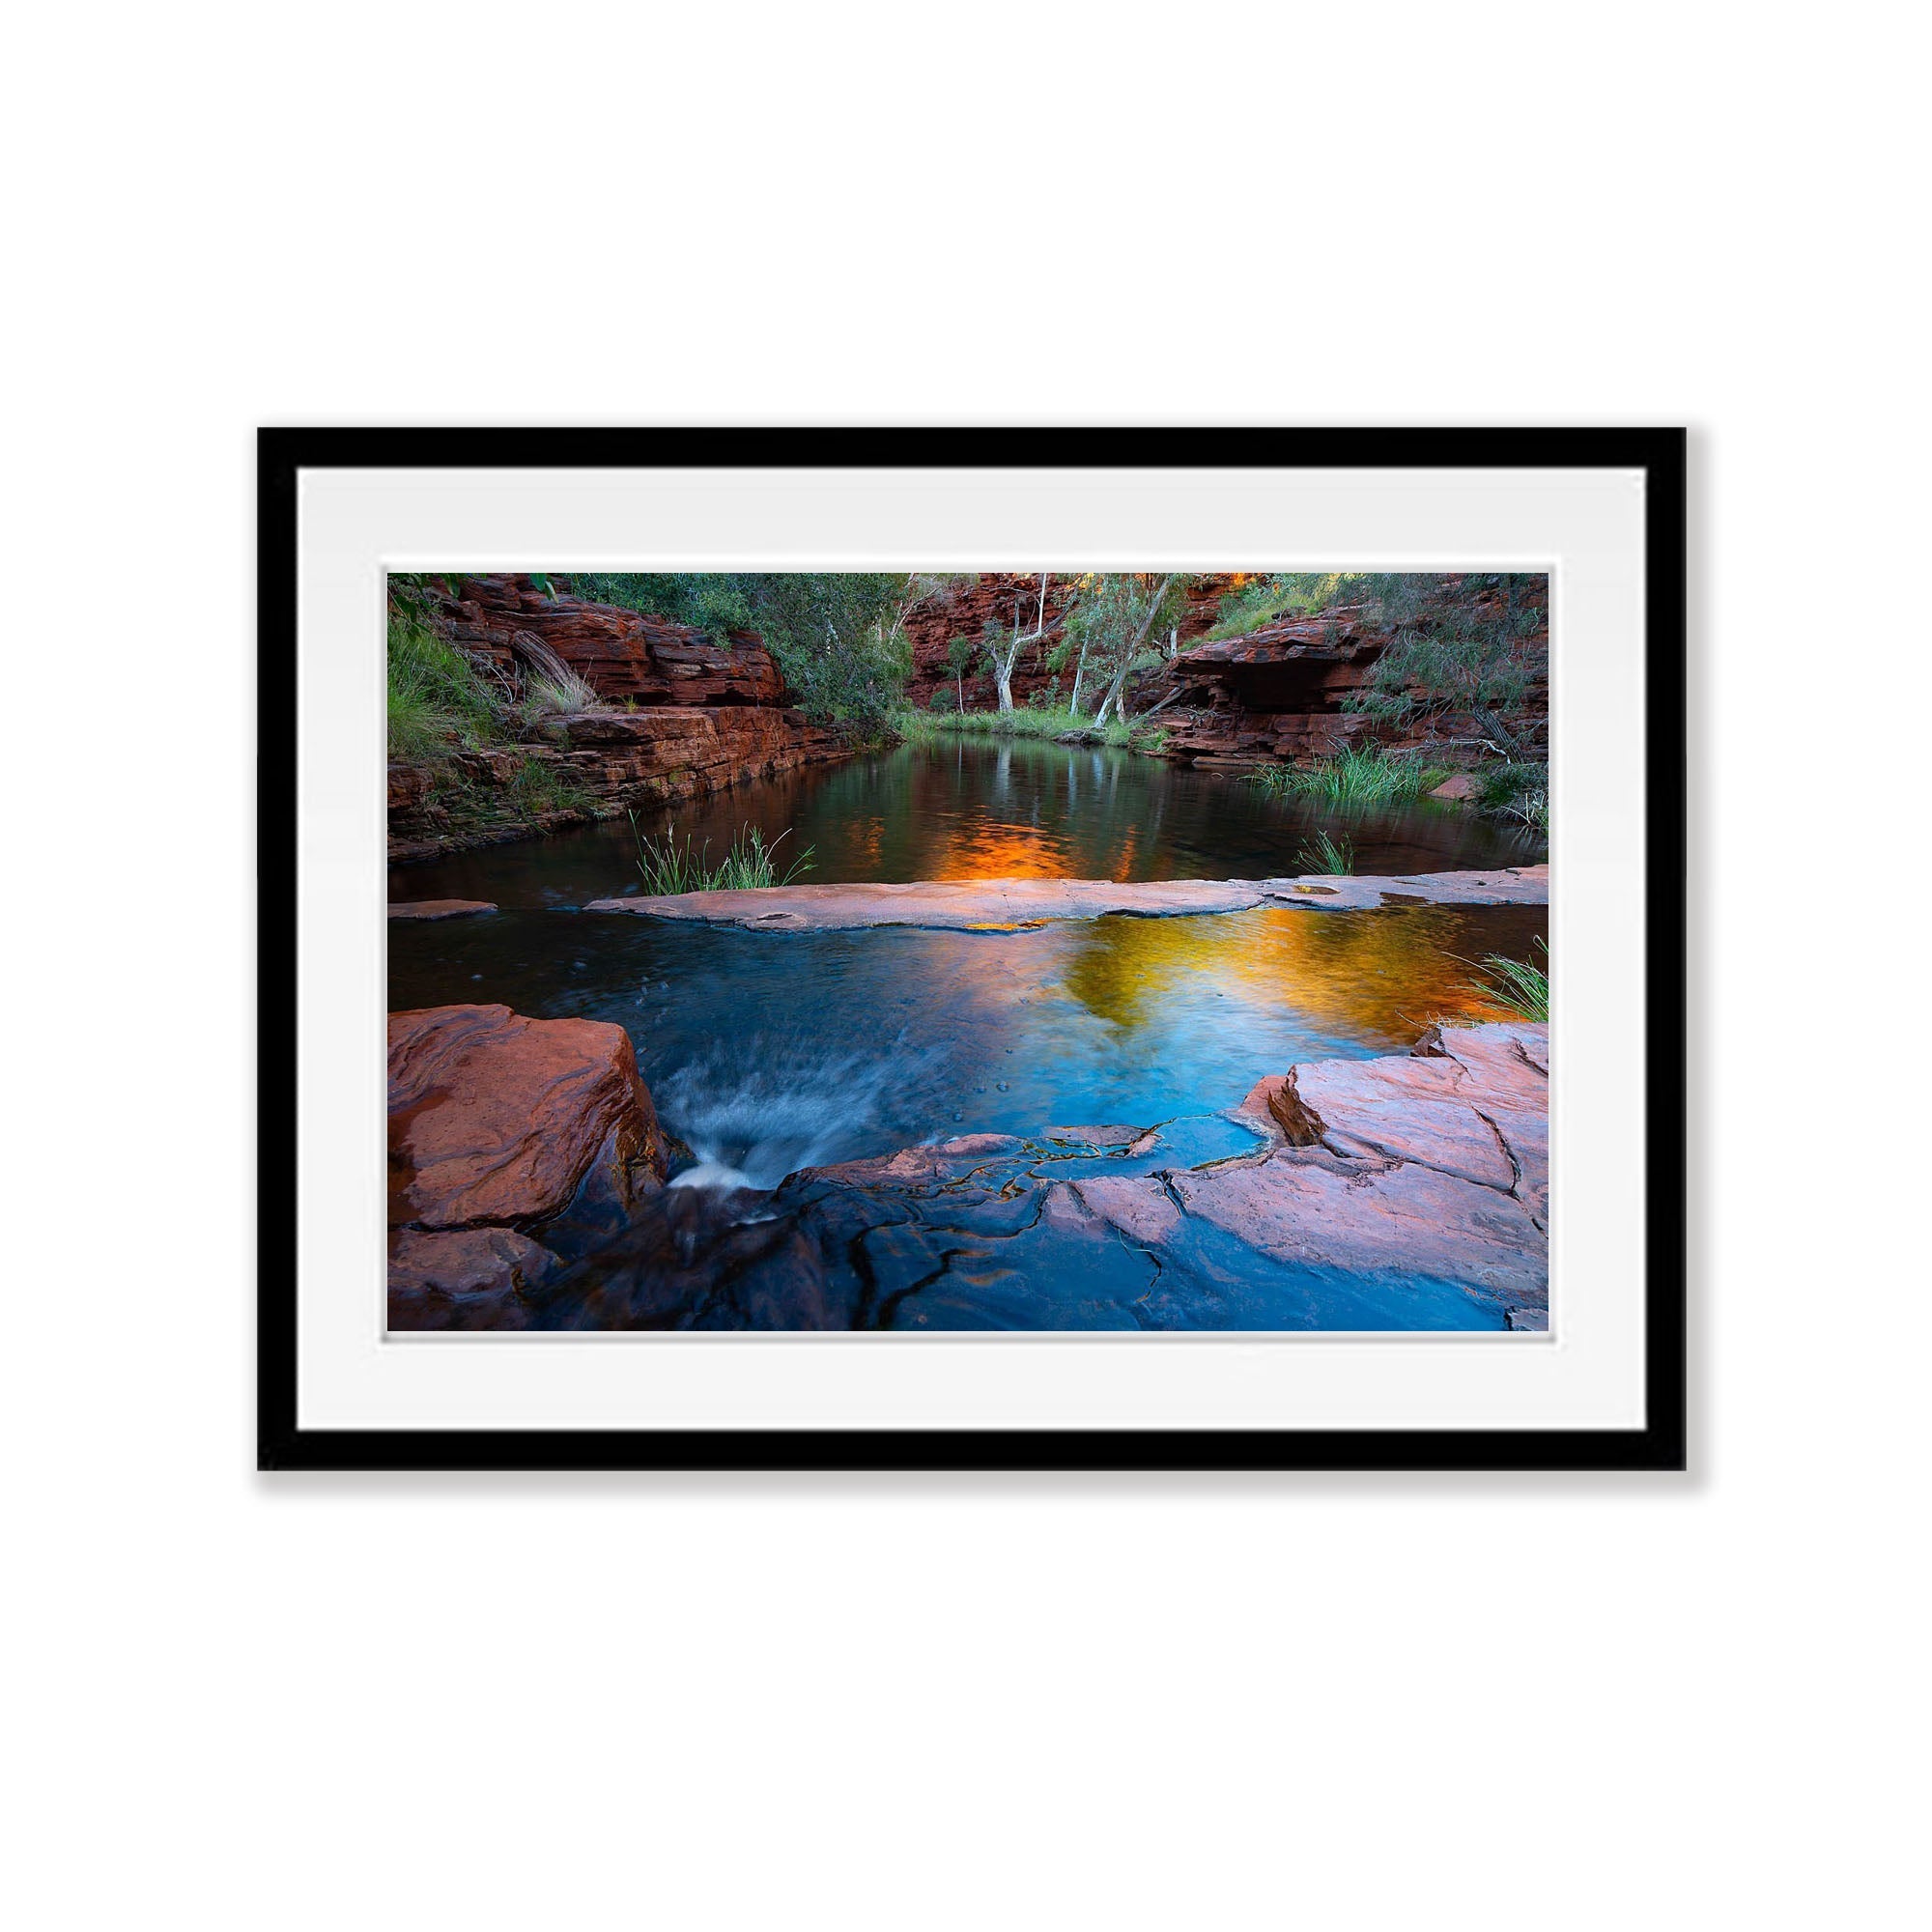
(473, 1277)
(1409, 1192)
(511, 1140)
(995, 906)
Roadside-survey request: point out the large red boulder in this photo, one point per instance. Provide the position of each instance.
(497, 1119)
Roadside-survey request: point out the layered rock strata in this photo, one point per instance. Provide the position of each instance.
(684, 714)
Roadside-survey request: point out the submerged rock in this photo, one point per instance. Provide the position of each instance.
(501, 1122)
(471, 1278)
(438, 908)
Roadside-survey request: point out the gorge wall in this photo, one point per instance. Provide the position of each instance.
(965, 614)
(683, 714)
(1280, 692)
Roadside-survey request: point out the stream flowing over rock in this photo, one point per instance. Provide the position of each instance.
(1409, 1191)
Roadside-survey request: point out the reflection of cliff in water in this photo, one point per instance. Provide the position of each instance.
(981, 810)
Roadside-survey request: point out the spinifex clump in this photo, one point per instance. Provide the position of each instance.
(669, 869)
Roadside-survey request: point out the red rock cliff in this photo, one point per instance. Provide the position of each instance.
(965, 614)
(619, 653)
(700, 715)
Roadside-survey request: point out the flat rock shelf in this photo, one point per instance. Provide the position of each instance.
(1009, 905)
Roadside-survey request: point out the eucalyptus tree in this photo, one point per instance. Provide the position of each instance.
(959, 654)
(1112, 618)
(839, 637)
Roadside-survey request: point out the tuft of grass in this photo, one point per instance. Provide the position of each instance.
(565, 696)
(1518, 987)
(669, 869)
(1532, 808)
(1357, 774)
(1327, 855)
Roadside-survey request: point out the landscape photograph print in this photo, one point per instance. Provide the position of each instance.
(924, 952)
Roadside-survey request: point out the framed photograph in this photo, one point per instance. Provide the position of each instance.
(1087, 949)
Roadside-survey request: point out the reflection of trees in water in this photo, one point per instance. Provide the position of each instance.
(1022, 808)
(1382, 973)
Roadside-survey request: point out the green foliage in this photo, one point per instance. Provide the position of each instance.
(838, 637)
(1281, 594)
(1476, 645)
(1113, 615)
(944, 699)
(1327, 855)
(1517, 985)
(1357, 774)
(669, 869)
(1500, 784)
(1519, 791)
(439, 700)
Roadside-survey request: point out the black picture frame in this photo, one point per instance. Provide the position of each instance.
(1660, 1444)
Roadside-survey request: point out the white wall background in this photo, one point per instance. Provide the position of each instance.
(238, 1703)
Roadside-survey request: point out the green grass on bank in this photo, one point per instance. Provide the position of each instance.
(439, 702)
(1519, 791)
(1357, 774)
(935, 727)
(440, 705)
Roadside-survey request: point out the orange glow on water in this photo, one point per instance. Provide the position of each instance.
(1385, 974)
(985, 849)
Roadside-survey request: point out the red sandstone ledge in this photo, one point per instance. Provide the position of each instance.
(1009, 905)
(438, 908)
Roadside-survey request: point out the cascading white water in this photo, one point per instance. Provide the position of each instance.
(759, 1107)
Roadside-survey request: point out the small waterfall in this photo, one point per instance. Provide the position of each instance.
(756, 1109)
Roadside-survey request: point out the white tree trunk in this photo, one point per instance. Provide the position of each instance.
(1079, 671)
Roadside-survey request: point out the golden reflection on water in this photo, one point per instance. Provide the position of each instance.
(1380, 973)
(985, 849)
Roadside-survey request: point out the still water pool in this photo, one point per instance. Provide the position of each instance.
(1020, 811)
(767, 1052)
